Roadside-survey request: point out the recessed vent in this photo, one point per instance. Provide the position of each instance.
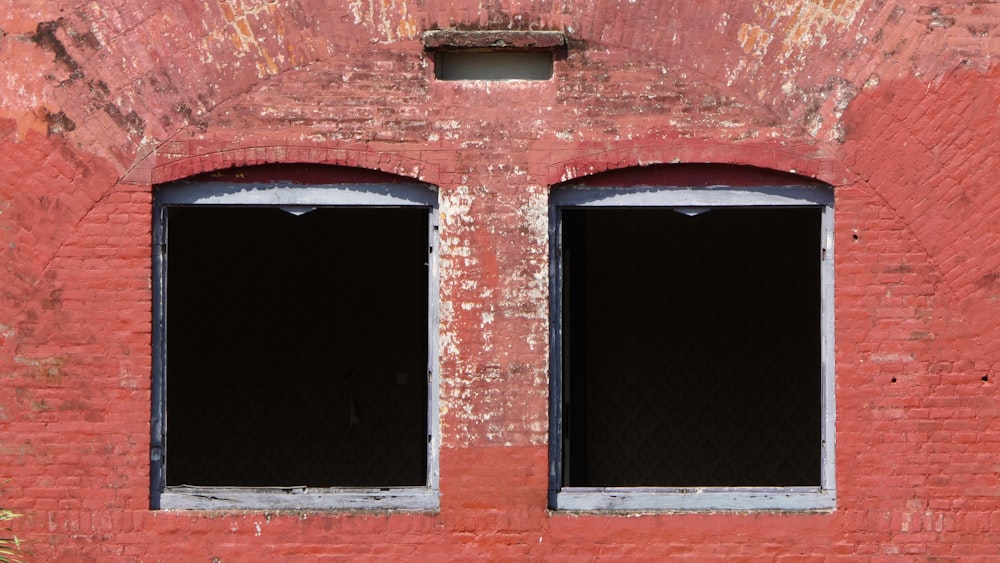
(494, 55)
(492, 65)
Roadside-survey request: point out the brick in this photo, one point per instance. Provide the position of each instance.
(116, 97)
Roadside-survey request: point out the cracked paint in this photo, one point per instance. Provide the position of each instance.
(807, 19)
(754, 39)
(247, 40)
(387, 20)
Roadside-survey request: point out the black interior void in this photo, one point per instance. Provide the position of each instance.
(296, 346)
(691, 347)
(493, 65)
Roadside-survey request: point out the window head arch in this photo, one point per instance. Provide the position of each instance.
(294, 334)
(692, 341)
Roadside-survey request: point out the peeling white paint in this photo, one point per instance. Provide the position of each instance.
(723, 23)
(387, 21)
(733, 74)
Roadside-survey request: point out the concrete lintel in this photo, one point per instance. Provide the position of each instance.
(494, 40)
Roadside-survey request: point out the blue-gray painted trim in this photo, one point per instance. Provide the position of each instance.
(433, 356)
(298, 498)
(693, 499)
(303, 498)
(666, 499)
(158, 395)
(555, 354)
(828, 406)
(286, 193)
(711, 196)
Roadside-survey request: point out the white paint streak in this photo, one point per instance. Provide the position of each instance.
(387, 21)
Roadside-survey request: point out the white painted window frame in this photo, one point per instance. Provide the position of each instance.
(666, 499)
(293, 197)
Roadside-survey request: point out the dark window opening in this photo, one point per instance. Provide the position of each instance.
(493, 65)
(691, 347)
(296, 346)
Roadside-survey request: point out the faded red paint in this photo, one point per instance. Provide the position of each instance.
(895, 104)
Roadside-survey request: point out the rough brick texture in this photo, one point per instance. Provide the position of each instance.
(893, 103)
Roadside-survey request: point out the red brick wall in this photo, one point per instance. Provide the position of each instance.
(894, 103)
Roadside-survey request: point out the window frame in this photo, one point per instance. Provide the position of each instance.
(818, 498)
(303, 196)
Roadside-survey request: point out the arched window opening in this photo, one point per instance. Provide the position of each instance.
(692, 340)
(295, 331)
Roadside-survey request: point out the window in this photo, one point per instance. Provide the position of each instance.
(692, 346)
(294, 344)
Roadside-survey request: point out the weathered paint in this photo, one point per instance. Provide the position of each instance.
(894, 103)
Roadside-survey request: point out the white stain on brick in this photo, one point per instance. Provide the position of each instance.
(387, 21)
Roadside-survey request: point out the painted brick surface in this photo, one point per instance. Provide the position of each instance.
(893, 103)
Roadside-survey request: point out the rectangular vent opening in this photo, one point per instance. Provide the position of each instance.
(493, 65)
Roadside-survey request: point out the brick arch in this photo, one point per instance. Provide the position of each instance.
(930, 172)
(174, 161)
(701, 175)
(812, 161)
